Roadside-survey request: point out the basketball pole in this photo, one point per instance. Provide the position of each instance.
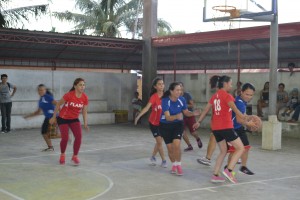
(271, 133)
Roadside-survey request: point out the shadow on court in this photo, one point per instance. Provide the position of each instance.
(115, 165)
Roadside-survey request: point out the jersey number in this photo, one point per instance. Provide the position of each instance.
(217, 106)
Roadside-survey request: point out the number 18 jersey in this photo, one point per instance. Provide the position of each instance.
(221, 112)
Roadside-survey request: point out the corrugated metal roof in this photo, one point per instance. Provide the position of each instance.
(197, 51)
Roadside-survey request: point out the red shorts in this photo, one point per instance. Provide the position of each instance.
(189, 122)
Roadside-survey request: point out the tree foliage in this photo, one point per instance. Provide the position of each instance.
(107, 17)
(11, 18)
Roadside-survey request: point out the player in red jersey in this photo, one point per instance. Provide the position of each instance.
(222, 104)
(157, 90)
(73, 102)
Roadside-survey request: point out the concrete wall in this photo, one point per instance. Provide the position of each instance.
(199, 88)
(106, 91)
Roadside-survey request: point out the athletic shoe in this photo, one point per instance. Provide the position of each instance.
(189, 148)
(229, 176)
(204, 161)
(246, 171)
(3, 131)
(179, 170)
(164, 164)
(153, 161)
(48, 149)
(62, 159)
(199, 142)
(173, 170)
(217, 179)
(75, 160)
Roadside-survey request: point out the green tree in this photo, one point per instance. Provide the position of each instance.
(106, 17)
(12, 18)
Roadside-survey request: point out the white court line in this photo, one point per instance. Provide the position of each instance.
(206, 188)
(111, 183)
(10, 194)
(54, 154)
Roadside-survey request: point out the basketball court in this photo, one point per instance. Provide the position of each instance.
(115, 165)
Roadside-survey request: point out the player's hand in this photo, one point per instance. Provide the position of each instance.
(87, 129)
(52, 120)
(179, 116)
(196, 125)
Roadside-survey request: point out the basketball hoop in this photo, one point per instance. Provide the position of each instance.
(234, 13)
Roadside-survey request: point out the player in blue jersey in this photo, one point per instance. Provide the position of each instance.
(171, 123)
(246, 95)
(46, 105)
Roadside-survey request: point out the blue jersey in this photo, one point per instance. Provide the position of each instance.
(174, 108)
(241, 105)
(45, 103)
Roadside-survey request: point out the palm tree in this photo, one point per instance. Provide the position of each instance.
(15, 17)
(106, 17)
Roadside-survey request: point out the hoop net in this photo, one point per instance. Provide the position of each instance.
(234, 13)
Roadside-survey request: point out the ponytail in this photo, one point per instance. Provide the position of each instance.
(218, 81)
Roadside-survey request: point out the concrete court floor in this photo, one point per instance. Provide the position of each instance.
(115, 165)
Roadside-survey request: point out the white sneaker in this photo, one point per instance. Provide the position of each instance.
(164, 164)
(153, 161)
(204, 161)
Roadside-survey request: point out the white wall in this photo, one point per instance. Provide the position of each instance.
(198, 88)
(109, 91)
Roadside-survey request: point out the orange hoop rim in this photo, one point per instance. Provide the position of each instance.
(224, 8)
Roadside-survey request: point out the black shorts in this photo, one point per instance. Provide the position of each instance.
(225, 134)
(45, 126)
(66, 121)
(154, 129)
(243, 135)
(171, 131)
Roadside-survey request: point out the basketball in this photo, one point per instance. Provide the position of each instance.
(257, 121)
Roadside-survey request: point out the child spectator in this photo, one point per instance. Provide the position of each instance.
(292, 103)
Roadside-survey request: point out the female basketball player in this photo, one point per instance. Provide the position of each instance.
(73, 102)
(157, 90)
(46, 105)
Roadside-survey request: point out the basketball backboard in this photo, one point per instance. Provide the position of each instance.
(239, 10)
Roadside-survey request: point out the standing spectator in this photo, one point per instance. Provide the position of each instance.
(72, 103)
(282, 97)
(46, 105)
(137, 105)
(7, 91)
(189, 122)
(263, 100)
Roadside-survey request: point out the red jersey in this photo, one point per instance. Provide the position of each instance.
(73, 105)
(221, 112)
(156, 111)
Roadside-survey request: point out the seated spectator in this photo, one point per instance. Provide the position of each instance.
(296, 114)
(282, 97)
(292, 103)
(136, 104)
(263, 99)
(237, 91)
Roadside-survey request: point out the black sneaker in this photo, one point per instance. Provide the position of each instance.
(189, 148)
(199, 142)
(246, 171)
